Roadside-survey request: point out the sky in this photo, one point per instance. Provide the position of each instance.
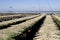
(29, 5)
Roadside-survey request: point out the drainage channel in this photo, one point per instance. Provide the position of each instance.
(29, 34)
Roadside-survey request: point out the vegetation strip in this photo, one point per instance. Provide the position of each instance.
(19, 28)
(57, 21)
(13, 22)
(48, 30)
(10, 17)
(6, 17)
(29, 33)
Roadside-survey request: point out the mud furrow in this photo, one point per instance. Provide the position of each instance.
(48, 30)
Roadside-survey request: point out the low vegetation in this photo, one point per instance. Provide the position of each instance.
(19, 28)
(57, 21)
(24, 26)
(16, 21)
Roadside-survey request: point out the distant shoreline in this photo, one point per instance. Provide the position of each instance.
(31, 12)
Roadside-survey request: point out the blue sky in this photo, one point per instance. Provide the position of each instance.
(29, 5)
